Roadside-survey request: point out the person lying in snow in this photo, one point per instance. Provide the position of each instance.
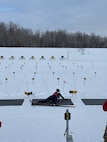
(53, 98)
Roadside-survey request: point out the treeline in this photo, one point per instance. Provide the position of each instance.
(11, 35)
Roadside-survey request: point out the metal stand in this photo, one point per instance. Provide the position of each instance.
(67, 118)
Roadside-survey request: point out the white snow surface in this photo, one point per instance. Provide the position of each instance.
(29, 123)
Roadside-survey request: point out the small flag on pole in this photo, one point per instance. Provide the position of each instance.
(64, 81)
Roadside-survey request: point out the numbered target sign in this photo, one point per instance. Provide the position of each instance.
(67, 116)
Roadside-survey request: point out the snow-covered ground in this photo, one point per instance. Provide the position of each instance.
(81, 70)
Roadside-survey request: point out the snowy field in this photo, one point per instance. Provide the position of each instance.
(42, 71)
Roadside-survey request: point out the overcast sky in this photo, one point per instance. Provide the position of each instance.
(87, 16)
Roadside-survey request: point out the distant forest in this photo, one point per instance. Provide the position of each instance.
(12, 35)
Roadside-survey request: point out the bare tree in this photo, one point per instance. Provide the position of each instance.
(13, 35)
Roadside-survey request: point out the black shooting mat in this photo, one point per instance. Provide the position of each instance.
(59, 101)
(11, 102)
(93, 101)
